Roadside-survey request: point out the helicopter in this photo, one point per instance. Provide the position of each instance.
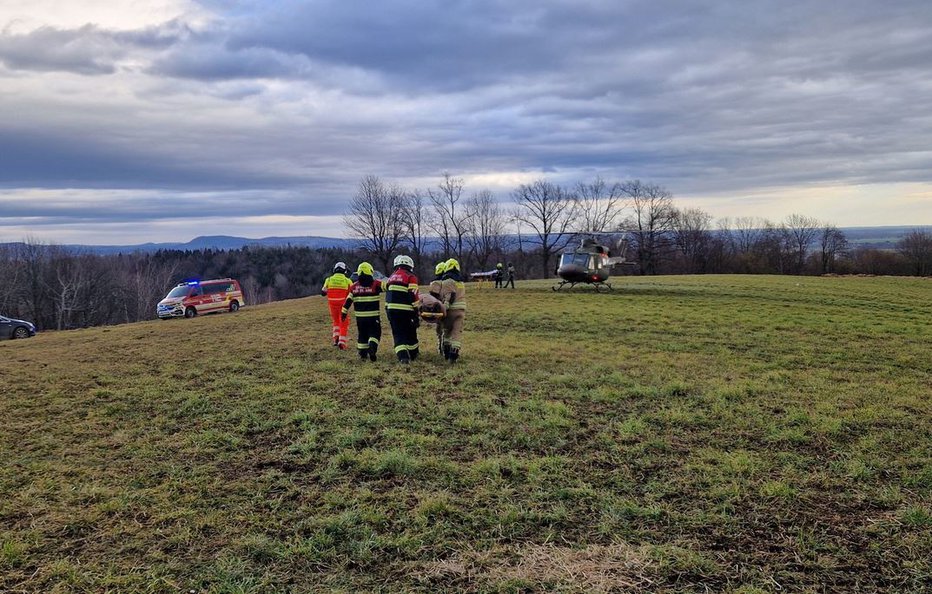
(590, 263)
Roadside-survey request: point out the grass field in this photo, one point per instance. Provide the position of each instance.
(683, 434)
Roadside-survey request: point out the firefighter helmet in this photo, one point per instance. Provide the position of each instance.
(453, 264)
(340, 267)
(404, 260)
(440, 268)
(365, 268)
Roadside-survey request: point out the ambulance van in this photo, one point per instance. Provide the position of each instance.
(191, 298)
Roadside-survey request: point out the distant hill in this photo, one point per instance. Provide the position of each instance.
(216, 242)
(877, 237)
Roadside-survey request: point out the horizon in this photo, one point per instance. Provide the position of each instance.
(177, 118)
(184, 241)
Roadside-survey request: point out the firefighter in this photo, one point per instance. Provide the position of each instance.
(401, 303)
(453, 296)
(434, 290)
(336, 288)
(499, 274)
(364, 294)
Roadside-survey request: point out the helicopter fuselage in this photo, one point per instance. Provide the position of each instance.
(574, 273)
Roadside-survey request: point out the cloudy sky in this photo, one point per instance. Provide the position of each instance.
(160, 120)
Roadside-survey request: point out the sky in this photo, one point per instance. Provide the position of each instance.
(162, 120)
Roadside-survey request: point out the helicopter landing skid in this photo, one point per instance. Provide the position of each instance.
(598, 286)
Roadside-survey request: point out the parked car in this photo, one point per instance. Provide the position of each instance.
(191, 298)
(13, 328)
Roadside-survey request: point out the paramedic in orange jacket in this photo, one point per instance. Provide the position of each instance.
(336, 288)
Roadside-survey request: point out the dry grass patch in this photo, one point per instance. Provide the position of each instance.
(594, 568)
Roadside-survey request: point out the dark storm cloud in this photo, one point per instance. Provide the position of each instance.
(302, 98)
(51, 160)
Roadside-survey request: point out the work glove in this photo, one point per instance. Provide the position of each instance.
(342, 317)
(323, 292)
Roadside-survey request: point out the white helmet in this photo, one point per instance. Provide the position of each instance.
(404, 260)
(340, 267)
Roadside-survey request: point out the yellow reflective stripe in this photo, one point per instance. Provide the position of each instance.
(397, 288)
(344, 311)
(412, 287)
(457, 305)
(401, 306)
(407, 347)
(367, 314)
(367, 299)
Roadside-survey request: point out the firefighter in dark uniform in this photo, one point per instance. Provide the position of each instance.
(401, 303)
(364, 295)
(499, 274)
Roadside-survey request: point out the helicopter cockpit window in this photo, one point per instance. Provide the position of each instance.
(581, 260)
(595, 262)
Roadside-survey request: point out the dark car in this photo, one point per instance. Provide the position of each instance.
(11, 328)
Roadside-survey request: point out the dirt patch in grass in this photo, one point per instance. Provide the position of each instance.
(595, 568)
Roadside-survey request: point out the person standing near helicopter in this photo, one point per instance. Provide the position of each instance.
(401, 303)
(336, 288)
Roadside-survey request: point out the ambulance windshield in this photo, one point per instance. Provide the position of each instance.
(179, 292)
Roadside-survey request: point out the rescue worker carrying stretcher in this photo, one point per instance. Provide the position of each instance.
(336, 288)
(364, 294)
(453, 297)
(432, 309)
(401, 303)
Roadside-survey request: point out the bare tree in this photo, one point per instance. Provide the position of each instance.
(550, 211)
(376, 216)
(599, 205)
(451, 215)
(833, 244)
(801, 231)
(415, 223)
(916, 247)
(651, 223)
(487, 228)
(692, 236)
(746, 233)
(10, 273)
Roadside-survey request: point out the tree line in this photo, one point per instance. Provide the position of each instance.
(59, 288)
(446, 221)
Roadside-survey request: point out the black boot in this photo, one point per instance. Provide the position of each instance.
(362, 354)
(454, 355)
(372, 350)
(446, 352)
(403, 357)
(414, 353)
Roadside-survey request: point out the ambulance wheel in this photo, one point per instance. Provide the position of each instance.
(234, 306)
(190, 312)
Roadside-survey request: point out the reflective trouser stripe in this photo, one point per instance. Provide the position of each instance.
(453, 328)
(407, 347)
(370, 331)
(400, 307)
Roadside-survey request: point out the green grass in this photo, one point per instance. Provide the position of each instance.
(682, 434)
